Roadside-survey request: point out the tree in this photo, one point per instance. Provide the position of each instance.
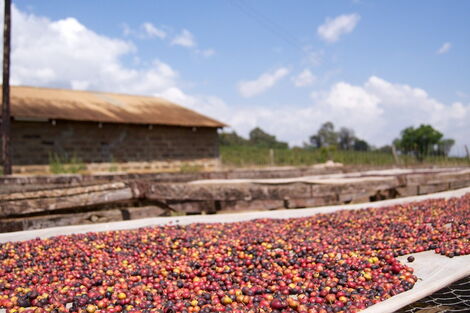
(346, 138)
(444, 146)
(360, 145)
(325, 137)
(260, 138)
(386, 149)
(420, 142)
(232, 139)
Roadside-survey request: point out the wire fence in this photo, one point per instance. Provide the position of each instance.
(451, 299)
(248, 156)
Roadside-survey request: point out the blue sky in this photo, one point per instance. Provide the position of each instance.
(286, 66)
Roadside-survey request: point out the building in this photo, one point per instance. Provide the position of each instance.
(108, 131)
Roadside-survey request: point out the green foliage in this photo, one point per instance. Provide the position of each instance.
(63, 165)
(191, 168)
(232, 139)
(385, 149)
(326, 136)
(423, 141)
(444, 146)
(345, 139)
(361, 145)
(113, 167)
(260, 138)
(248, 156)
(423, 144)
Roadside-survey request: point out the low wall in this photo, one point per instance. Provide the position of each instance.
(125, 200)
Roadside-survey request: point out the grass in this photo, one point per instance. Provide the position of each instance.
(191, 168)
(63, 165)
(113, 167)
(246, 156)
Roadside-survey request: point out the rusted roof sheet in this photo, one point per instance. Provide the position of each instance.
(64, 104)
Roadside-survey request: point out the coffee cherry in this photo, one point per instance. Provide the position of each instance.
(343, 261)
(277, 304)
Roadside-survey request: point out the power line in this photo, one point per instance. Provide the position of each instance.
(266, 22)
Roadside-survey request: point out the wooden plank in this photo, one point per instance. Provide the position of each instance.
(54, 220)
(60, 192)
(143, 212)
(312, 202)
(431, 188)
(459, 184)
(407, 191)
(21, 207)
(194, 207)
(255, 205)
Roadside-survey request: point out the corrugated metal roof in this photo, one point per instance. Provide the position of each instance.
(64, 104)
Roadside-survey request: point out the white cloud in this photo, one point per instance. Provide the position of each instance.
(312, 57)
(209, 105)
(305, 78)
(152, 31)
(184, 39)
(444, 48)
(206, 53)
(377, 110)
(333, 29)
(267, 80)
(126, 29)
(146, 31)
(69, 55)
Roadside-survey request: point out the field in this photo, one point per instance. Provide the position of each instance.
(246, 156)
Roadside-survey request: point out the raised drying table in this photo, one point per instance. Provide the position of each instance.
(434, 271)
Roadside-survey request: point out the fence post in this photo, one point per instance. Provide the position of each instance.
(395, 156)
(468, 154)
(271, 157)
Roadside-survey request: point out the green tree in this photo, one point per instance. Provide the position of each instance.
(232, 139)
(360, 145)
(420, 142)
(260, 138)
(346, 138)
(444, 146)
(325, 137)
(386, 149)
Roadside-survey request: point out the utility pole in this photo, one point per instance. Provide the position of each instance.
(6, 155)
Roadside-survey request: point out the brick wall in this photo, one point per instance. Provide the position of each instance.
(94, 143)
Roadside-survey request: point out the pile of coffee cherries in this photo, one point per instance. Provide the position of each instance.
(339, 262)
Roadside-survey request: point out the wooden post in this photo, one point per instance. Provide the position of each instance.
(395, 156)
(6, 153)
(468, 154)
(271, 157)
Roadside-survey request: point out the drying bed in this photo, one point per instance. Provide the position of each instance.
(344, 260)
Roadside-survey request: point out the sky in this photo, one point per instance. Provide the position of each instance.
(285, 66)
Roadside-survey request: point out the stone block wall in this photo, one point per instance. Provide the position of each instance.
(33, 143)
